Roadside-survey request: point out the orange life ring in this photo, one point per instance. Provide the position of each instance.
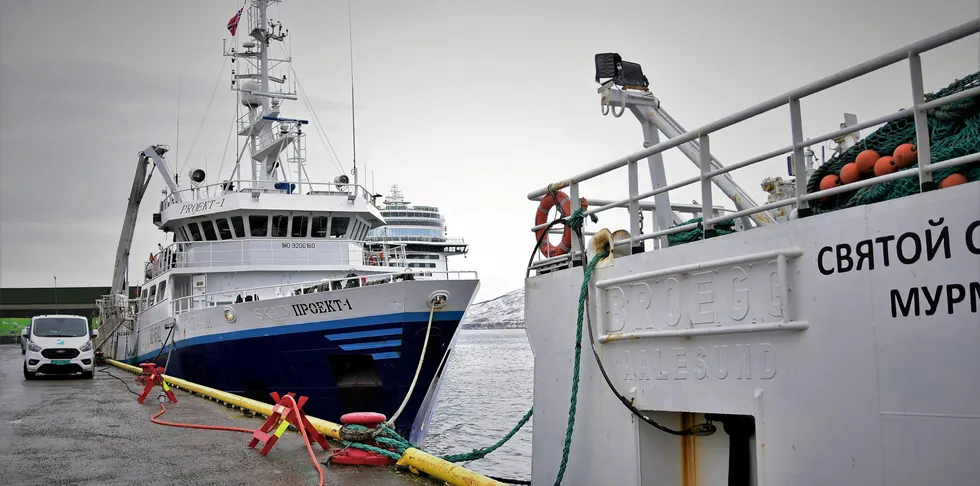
(547, 202)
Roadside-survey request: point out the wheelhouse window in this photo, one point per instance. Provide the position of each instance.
(299, 226)
(259, 225)
(224, 231)
(195, 232)
(209, 232)
(280, 226)
(239, 224)
(338, 227)
(163, 291)
(319, 227)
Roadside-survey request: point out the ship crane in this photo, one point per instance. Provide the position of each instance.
(115, 308)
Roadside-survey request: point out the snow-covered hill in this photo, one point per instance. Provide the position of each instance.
(504, 312)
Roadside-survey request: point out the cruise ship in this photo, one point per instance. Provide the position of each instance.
(421, 231)
(270, 283)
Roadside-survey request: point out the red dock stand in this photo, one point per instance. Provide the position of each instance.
(283, 414)
(153, 375)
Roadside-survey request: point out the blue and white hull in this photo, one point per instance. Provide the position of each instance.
(347, 350)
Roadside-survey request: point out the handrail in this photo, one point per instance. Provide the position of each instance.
(183, 254)
(915, 48)
(377, 279)
(920, 110)
(249, 185)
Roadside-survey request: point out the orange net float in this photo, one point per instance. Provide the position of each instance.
(850, 173)
(905, 155)
(885, 165)
(541, 217)
(866, 161)
(953, 179)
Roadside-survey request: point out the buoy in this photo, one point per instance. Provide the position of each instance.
(905, 155)
(850, 173)
(367, 419)
(953, 179)
(829, 181)
(885, 165)
(866, 161)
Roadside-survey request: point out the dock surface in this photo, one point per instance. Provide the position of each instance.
(69, 430)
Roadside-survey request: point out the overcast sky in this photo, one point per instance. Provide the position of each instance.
(466, 105)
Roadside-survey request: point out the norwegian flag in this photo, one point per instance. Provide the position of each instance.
(233, 23)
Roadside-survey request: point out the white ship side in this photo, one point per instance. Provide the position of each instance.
(826, 337)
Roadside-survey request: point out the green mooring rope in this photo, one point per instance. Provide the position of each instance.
(583, 293)
(387, 436)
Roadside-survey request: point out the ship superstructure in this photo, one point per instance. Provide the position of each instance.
(420, 231)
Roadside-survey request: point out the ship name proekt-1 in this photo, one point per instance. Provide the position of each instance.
(322, 307)
(197, 207)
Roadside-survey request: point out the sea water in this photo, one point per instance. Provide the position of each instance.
(488, 387)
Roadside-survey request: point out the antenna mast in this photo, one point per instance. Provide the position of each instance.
(268, 135)
(353, 128)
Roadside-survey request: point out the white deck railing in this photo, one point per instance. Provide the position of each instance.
(702, 135)
(285, 252)
(309, 189)
(211, 299)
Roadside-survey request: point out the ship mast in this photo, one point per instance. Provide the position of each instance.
(267, 134)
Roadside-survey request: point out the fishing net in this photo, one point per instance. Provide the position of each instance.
(954, 131)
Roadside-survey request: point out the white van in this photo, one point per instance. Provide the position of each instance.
(59, 344)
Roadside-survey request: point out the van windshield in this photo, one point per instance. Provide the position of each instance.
(60, 327)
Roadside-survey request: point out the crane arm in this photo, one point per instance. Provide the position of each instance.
(140, 183)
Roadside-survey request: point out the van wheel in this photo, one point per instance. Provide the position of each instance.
(28, 375)
(88, 375)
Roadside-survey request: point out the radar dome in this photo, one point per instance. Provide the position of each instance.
(249, 99)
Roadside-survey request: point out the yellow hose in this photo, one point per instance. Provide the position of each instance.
(413, 458)
(443, 470)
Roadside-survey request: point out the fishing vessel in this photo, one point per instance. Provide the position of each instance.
(825, 337)
(421, 230)
(271, 283)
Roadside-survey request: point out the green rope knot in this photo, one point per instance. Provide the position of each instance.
(360, 437)
(578, 217)
(358, 433)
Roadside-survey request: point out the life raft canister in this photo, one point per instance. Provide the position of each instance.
(547, 202)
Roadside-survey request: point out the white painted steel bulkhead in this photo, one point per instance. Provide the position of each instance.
(855, 356)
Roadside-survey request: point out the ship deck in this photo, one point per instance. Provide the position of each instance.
(69, 430)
